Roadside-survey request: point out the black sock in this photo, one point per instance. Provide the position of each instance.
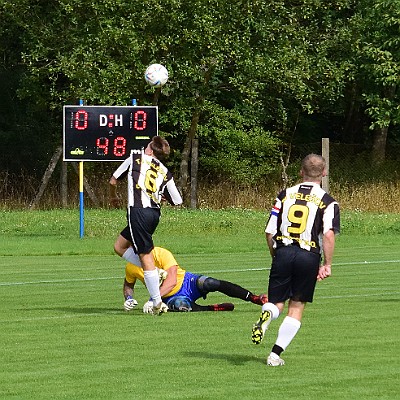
(232, 290)
(277, 349)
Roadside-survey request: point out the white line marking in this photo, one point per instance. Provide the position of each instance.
(199, 273)
(60, 281)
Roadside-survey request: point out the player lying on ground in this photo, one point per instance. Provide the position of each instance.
(180, 289)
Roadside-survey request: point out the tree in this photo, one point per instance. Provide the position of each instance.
(377, 53)
(241, 72)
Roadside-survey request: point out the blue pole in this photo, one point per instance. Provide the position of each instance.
(81, 207)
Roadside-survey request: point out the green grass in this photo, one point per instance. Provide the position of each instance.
(64, 335)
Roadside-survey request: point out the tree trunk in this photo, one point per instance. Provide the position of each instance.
(183, 181)
(352, 124)
(194, 167)
(381, 132)
(379, 145)
(184, 168)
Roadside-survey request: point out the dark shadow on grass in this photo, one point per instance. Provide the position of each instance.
(231, 358)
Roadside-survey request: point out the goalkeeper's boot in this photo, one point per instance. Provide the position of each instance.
(260, 300)
(259, 328)
(221, 307)
(275, 362)
(161, 308)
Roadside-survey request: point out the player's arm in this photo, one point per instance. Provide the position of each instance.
(114, 199)
(270, 243)
(271, 227)
(328, 247)
(128, 288)
(130, 303)
(170, 281)
(118, 174)
(171, 193)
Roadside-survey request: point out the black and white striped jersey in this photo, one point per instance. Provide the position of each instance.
(148, 181)
(301, 215)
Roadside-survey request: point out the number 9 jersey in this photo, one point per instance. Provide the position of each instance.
(301, 215)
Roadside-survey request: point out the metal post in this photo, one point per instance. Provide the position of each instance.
(325, 154)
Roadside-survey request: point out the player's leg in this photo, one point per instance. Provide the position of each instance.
(279, 289)
(303, 281)
(151, 279)
(190, 292)
(208, 284)
(286, 333)
(123, 247)
(142, 224)
(269, 312)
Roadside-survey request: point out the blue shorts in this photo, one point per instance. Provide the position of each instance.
(187, 294)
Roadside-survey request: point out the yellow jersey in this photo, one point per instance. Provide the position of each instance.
(163, 259)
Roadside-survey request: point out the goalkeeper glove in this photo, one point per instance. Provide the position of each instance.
(130, 303)
(162, 275)
(148, 307)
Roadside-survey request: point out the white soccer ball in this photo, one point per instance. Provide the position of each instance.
(156, 75)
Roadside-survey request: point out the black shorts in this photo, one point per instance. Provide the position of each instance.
(142, 222)
(293, 275)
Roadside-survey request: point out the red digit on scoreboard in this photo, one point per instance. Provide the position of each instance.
(102, 146)
(119, 146)
(140, 118)
(81, 120)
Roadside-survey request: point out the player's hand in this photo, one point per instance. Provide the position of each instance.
(148, 307)
(130, 304)
(162, 275)
(324, 272)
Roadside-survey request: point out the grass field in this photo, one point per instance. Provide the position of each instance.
(64, 334)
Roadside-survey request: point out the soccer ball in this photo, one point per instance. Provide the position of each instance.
(156, 75)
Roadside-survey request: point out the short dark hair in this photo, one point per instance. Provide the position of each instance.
(160, 147)
(313, 167)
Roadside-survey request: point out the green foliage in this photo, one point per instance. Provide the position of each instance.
(264, 66)
(234, 147)
(377, 24)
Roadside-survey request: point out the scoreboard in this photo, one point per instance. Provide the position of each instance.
(106, 133)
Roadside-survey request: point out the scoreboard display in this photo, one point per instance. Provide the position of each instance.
(107, 133)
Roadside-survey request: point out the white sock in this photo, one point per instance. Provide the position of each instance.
(287, 331)
(272, 308)
(151, 280)
(132, 257)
